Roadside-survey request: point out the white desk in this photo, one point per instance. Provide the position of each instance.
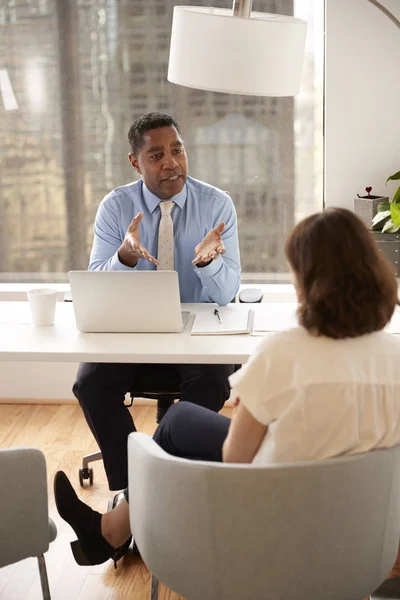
(20, 341)
(50, 355)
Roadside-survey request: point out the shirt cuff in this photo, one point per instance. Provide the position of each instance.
(116, 264)
(211, 269)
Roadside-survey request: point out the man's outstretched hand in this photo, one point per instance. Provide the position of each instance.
(210, 247)
(131, 249)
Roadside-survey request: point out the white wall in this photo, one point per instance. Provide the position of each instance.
(362, 99)
(21, 381)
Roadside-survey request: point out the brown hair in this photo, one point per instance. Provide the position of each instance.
(346, 287)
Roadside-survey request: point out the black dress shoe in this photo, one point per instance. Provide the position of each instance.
(91, 548)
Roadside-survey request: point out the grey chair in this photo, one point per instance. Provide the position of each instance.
(165, 389)
(301, 531)
(25, 527)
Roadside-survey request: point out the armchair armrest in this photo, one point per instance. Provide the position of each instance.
(141, 444)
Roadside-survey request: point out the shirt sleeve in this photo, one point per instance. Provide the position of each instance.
(221, 278)
(107, 239)
(260, 384)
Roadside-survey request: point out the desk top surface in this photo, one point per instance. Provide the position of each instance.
(20, 341)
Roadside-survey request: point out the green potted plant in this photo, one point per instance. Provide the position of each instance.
(387, 219)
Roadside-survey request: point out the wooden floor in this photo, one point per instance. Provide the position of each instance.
(61, 433)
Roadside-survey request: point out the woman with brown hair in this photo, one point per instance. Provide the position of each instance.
(329, 387)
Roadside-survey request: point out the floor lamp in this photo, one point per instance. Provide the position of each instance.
(386, 12)
(236, 51)
(239, 51)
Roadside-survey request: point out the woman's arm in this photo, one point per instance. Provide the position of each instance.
(244, 437)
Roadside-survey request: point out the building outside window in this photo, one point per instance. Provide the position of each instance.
(74, 74)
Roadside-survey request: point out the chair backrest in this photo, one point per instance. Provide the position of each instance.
(326, 529)
(24, 520)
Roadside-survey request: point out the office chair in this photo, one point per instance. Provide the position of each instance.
(25, 526)
(325, 529)
(165, 389)
(148, 387)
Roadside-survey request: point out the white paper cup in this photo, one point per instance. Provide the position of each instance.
(42, 302)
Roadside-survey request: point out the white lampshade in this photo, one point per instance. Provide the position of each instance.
(259, 56)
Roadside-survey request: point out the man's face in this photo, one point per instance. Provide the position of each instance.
(162, 162)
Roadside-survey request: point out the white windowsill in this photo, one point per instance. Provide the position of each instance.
(273, 292)
(12, 292)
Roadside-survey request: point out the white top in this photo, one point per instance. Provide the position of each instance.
(322, 397)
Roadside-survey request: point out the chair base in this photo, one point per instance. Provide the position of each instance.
(44, 582)
(154, 588)
(86, 472)
(162, 407)
(163, 404)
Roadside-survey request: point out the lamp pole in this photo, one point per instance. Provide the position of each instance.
(242, 8)
(385, 11)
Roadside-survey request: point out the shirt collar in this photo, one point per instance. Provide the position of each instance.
(152, 201)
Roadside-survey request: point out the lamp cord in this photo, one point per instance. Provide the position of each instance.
(385, 11)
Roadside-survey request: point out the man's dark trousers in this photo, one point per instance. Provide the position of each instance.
(101, 387)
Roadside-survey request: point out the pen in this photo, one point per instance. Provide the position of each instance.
(216, 313)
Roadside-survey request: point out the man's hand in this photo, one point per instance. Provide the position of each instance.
(131, 249)
(210, 247)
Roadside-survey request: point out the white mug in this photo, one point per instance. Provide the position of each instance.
(42, 302)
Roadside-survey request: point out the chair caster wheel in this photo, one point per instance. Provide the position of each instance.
(86, 473)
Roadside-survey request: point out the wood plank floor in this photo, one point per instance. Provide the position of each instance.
(60, 431)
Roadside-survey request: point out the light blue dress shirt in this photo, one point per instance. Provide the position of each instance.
(198, 208)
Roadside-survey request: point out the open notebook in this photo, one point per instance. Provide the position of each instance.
(263, 318)
(235, 319)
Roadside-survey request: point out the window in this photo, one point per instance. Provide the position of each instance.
(64, 119)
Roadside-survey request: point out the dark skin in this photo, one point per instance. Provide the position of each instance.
(163, 165)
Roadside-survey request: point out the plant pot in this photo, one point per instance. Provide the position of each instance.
(389, 244)
(366, 208)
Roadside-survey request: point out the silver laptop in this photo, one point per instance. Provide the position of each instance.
(127, 302)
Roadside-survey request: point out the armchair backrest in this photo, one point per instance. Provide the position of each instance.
(326, 529)
(24, 519)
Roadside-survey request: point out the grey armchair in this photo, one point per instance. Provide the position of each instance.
(301, 531)
(25, 527)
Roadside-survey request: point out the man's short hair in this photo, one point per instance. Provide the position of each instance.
(145, 123)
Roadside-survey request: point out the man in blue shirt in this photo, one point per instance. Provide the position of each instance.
(203, 249)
